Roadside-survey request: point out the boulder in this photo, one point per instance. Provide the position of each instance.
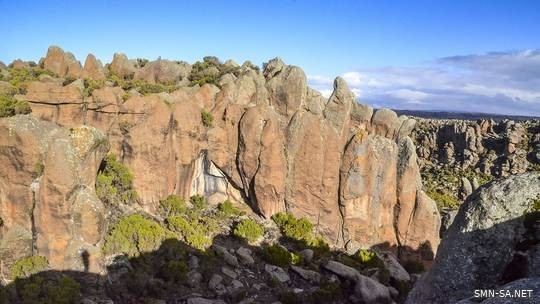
(122, 67)
(277, 273)
(308, 275)
(93, 68)
(500, 216)
(163, 71)
(61, 63)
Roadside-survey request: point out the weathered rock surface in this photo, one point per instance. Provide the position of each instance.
(47, 198)
(493, 240)
(61, 63)
(274, 144)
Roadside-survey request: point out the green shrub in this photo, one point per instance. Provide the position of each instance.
(90, 85)
(227, 208)
(133, 235)
(198, 201)
(443, 200)
(207, 118)
(114, 183)
(291, 227)
(367, 258)
(10, 106)
(39, 290)
(277, 255)
(414, 266)
(25, 267)
(172, 205)
(193, 232)
(249, 229)
(175, 271)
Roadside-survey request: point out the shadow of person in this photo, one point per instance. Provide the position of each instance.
(86, 260)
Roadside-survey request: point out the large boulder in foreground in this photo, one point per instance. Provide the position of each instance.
(493, 241)
(52, 209)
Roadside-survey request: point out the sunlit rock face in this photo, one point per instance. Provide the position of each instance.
(274, 144)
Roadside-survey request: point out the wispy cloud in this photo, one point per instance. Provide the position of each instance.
(502, 82)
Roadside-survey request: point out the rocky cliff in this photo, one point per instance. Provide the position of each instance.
(457, 156)
(224, 131)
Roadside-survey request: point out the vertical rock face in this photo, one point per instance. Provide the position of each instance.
(52, 209)
(493, 240)
(61, 63)
(274, 143)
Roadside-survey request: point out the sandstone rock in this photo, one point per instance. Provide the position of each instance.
(61, 63)
(93, 68)
(122, 67)
(494, 217)
(277, 273)
(385, 123)
(274, 144)
(163, 71)
(56, 170)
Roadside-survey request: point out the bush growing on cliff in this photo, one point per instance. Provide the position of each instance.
(114, 183)
(10, 106)
(297, 229)
(133, 235)
(249, 229)
(25, 267)
(172, 205)
(207, 118)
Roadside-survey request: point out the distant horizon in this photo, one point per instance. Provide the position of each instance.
(469, 56)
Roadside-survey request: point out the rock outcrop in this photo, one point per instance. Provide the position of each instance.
(493, 241)
(48, 203)
(274, 144)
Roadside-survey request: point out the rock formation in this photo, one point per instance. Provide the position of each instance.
(47, 199)
(282, 146)
(274, 143)
(493, 241)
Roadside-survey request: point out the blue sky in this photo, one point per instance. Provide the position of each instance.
(401, 54)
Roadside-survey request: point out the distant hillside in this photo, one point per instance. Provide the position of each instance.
(462, 115)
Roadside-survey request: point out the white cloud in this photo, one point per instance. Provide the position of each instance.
(503, 82)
